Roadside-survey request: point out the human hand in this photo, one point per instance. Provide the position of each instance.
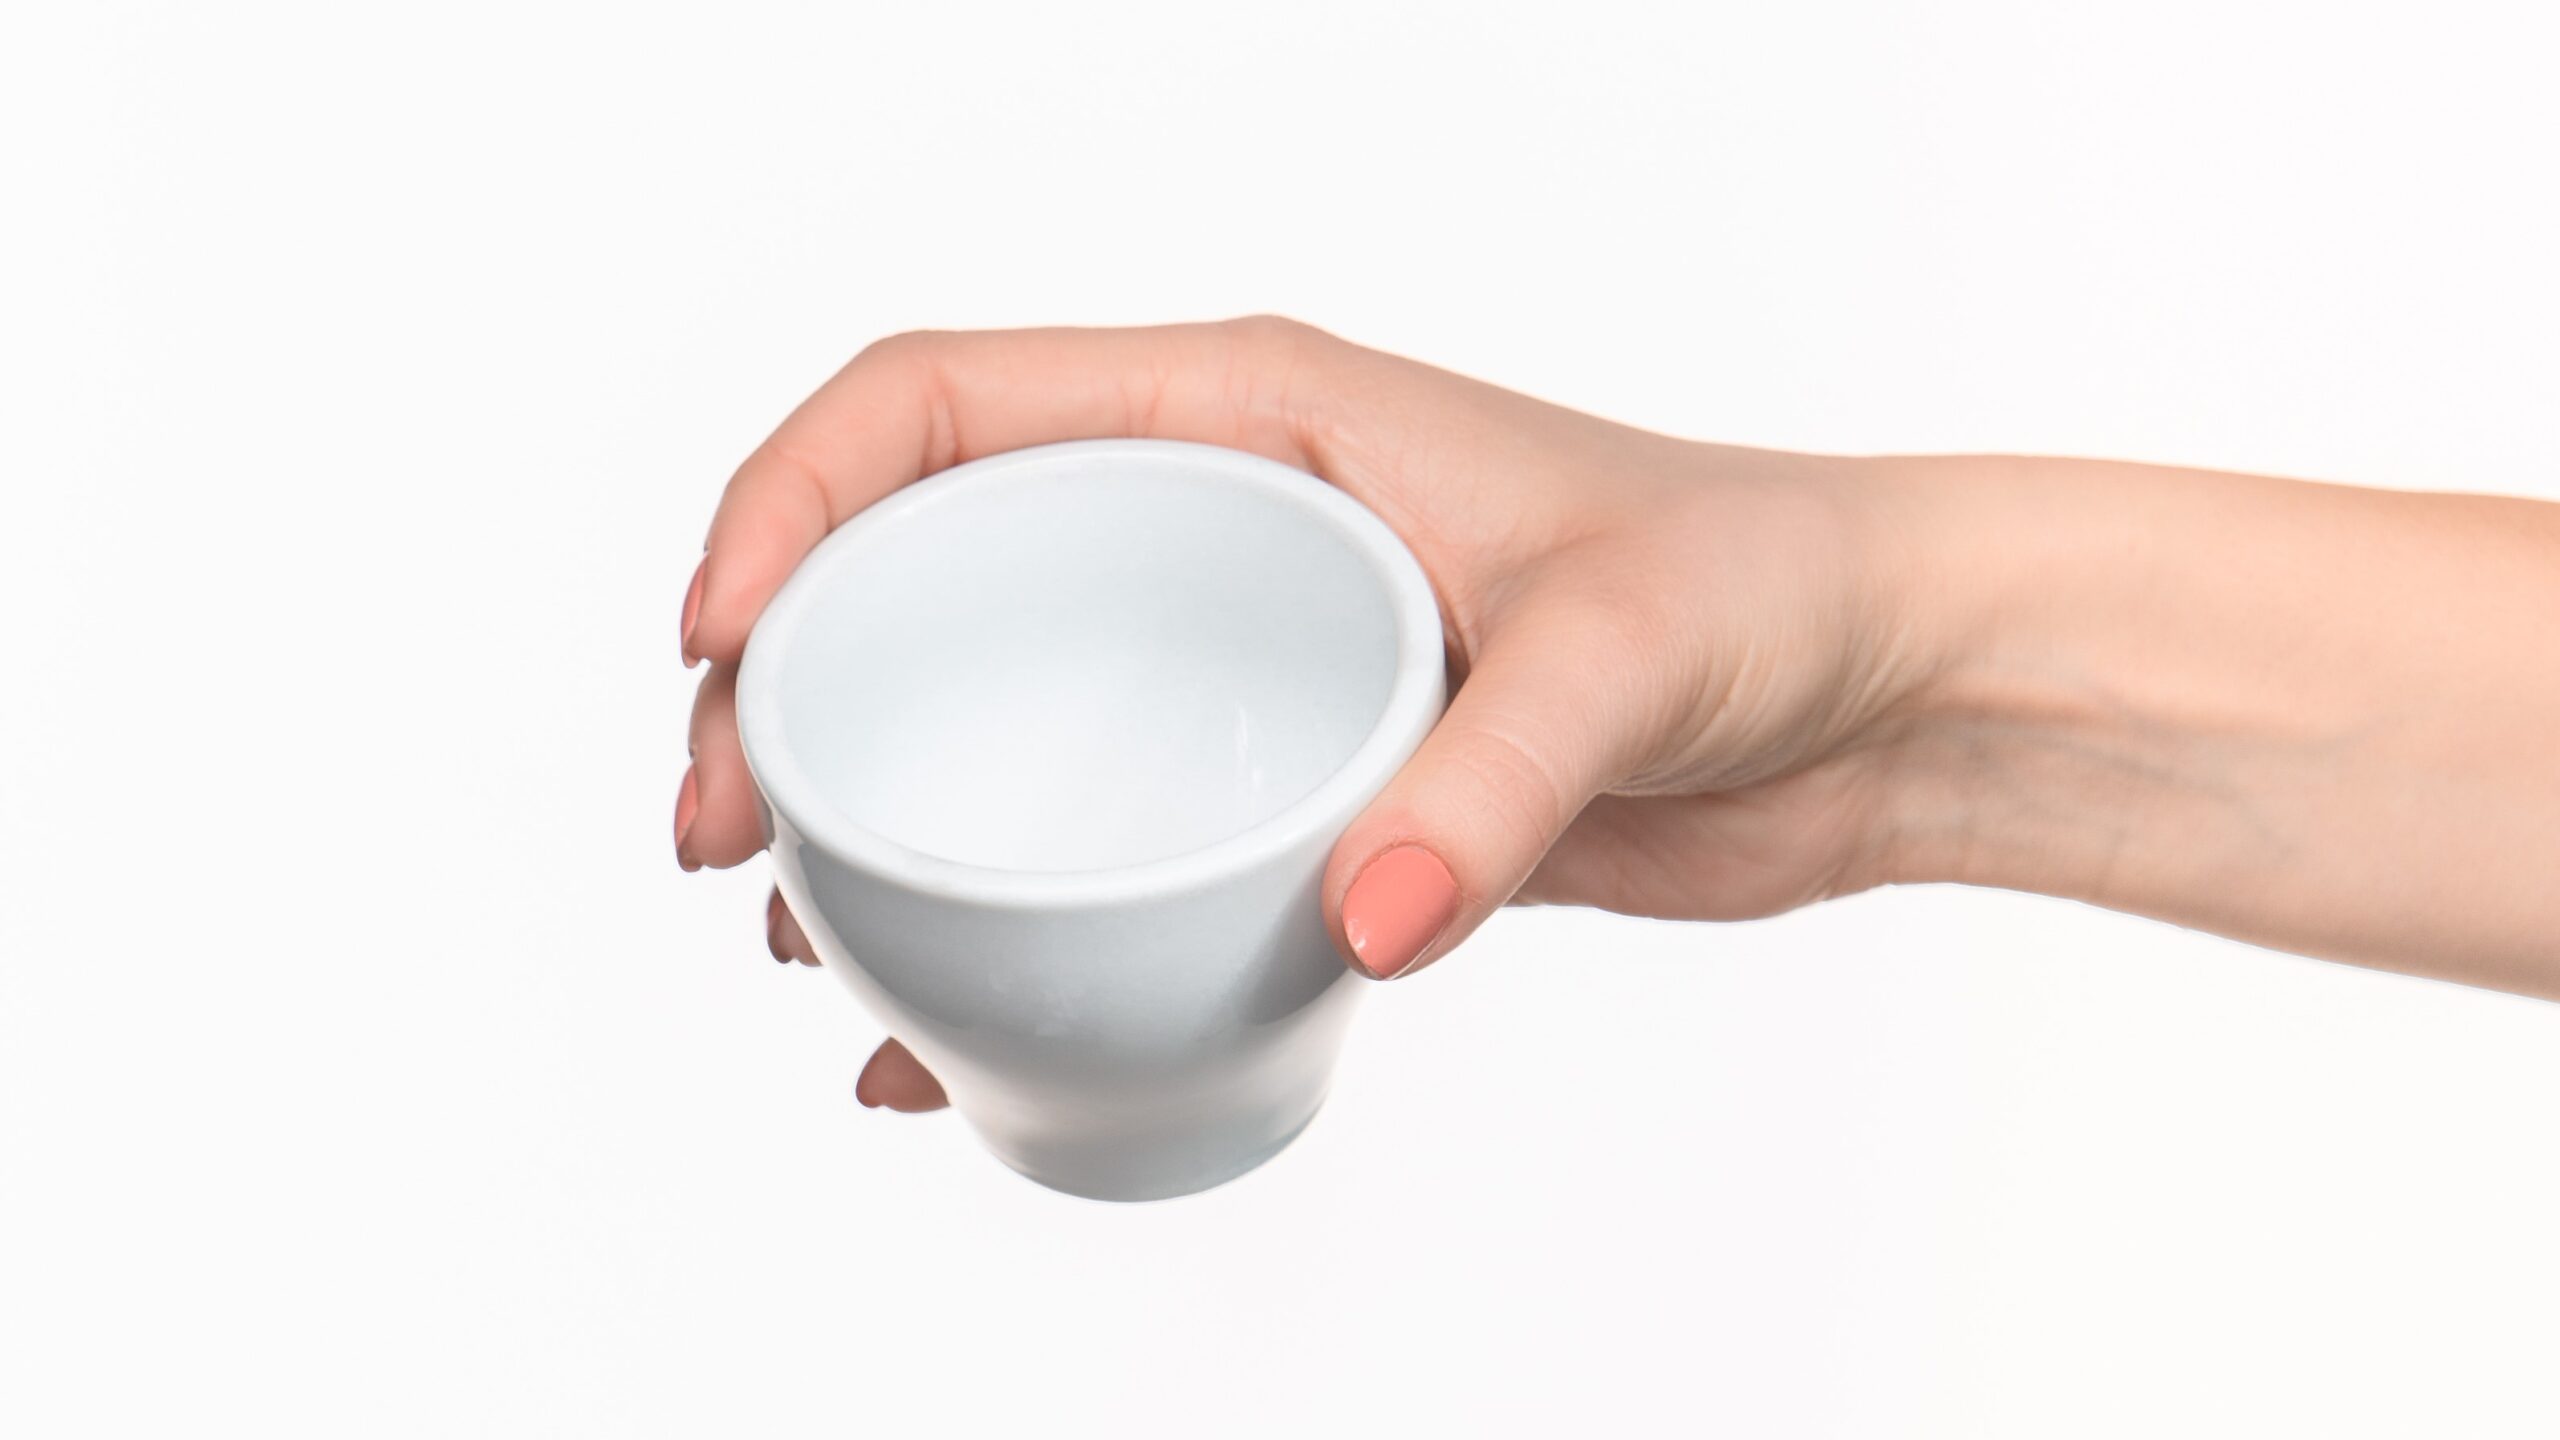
(1671, 660)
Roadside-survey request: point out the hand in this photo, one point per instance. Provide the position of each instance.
(1670, 658)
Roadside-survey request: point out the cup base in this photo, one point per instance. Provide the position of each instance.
(1127, 1183)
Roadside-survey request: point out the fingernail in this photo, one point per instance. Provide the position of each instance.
(773, 929)
(692, 612)
(1397, 907)
(688, 800)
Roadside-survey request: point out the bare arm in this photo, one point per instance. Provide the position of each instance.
(2314, 717)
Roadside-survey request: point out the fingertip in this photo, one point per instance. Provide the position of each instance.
(688, 810)
(728, 827)
(692, 615)
(783, 935)
(711, 637)
(771, 517)
(1398, 907)
(894, 1079)
(775, 913)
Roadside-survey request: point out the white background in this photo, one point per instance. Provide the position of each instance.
(366, 1066)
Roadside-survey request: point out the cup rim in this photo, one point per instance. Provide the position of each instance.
(1412, 705)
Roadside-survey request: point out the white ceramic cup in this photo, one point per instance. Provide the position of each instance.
(1053, 747)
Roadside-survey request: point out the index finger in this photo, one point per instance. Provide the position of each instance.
(914, 404)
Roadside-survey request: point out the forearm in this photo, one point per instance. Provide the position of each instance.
(2318, 718)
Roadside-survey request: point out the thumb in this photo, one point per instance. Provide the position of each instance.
(1539, 727)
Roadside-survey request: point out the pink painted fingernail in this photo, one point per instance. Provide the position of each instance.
(692, 612)
(688, 800)
(1397, 907)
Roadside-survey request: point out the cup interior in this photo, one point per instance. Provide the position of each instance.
(1084, 659)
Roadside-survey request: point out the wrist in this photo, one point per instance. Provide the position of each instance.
(2241, 704)
(2077, 699)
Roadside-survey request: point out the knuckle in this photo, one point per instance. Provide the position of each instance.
(1277, 337)
(1511, 787)
(1266, 325)
(903, 347)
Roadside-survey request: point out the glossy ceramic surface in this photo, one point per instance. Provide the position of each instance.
(1054, 746)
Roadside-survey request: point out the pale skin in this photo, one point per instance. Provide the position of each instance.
(1704, 682)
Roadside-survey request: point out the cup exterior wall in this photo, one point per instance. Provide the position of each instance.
(1130, 1050)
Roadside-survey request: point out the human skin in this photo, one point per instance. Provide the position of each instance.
(1706, 682)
